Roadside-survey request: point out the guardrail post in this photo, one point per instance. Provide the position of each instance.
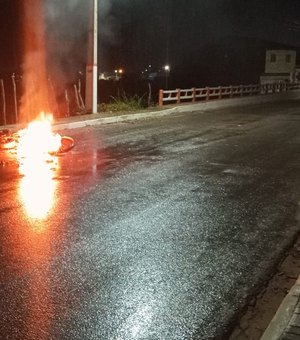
(250, 92)
(284, 87)
(241, 90)
(207, 93)
(273, 88)
(220, 92)
(257, 90)
(161, 98)
(178, 96)
(194, 94)
(231, 91)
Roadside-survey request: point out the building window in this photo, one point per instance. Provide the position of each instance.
(273, 58)
(288, 58)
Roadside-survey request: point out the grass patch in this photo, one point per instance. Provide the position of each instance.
(123, 103)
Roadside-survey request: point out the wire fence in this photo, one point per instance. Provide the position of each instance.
(64, 102)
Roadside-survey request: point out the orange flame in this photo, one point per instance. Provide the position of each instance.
(38, 141)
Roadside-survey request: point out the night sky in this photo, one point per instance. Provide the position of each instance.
(192, 35)
(184, 32)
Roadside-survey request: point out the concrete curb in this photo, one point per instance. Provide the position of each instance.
(113, 119)
(279, 324)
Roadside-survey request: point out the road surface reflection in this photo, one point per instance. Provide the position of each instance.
(37, 189)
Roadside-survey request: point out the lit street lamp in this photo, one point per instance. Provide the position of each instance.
(118, 74)
(167, 73)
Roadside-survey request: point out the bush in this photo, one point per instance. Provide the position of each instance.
(123, 103)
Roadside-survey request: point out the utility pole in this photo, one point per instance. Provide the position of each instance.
(91, 80)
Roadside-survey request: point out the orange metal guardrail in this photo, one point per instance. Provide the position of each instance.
(221, 92)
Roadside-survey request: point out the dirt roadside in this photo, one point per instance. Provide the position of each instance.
(262, 308)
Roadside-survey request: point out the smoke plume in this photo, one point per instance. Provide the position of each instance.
(35, 91)
(55, 35)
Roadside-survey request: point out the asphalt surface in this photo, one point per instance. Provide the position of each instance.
(157, 229)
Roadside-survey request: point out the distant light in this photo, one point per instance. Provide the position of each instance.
(167, 68)
(120, 71)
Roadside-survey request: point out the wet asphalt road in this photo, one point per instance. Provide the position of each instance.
(158, 229)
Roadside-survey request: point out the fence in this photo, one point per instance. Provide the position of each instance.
(221, 92)
(63, 101)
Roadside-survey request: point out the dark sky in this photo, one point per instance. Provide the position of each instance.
(173, 29)
(9, 40)
(135, 33)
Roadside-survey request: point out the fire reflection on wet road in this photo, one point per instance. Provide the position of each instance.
(37, 191)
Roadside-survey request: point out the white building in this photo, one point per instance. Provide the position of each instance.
(280, 66)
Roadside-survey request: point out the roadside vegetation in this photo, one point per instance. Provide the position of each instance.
(122, 102)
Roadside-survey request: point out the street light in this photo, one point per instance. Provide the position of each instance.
(91, 90)
(118, 73)
(167, 73)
